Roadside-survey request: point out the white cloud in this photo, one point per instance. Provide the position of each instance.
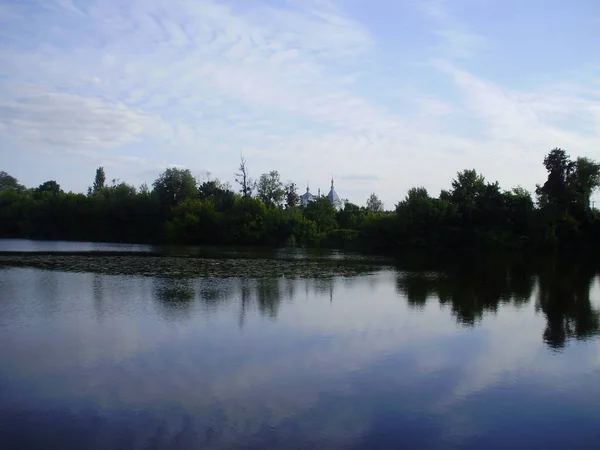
(73, 121)
(294, 85)
(113, 161)
(430, 106)
(530, 119)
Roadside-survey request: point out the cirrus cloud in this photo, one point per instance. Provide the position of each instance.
(303, 87)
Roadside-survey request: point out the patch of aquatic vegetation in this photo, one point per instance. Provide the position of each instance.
(188, 266)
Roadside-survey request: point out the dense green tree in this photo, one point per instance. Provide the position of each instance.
(194, 221)
(350, 216)
(173, 186)
(322, 212)
(99, 181)
(270, 189)
(565, 218)
(9, 182)
(246, 221)
(374, 204)
(473, 215)
(424, 221)
(219, 192)
(554, 190)
(520, 212)
(583, 181)
(49, 187)
(467, 188)
(291, 195)
(299, 229)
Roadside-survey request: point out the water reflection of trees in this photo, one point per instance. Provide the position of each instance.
(564, 298)
(472, 290)
(176, 297)
(269, 296)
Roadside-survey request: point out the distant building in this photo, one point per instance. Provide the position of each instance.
(333, 197)
(306, 197)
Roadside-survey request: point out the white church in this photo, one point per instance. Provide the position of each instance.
(332, 196)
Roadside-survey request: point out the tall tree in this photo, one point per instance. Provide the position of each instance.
(374, 204)
(270, 188)
(554, 190)
(99, 181)
(243, 179)
(49, 187)
(323, 213)
(291, 195)
(467, 187)
(9, 182)
(583, 180)
(468, 190)
(175, 185)
(416, 193)
(351, 216)
(217, 191)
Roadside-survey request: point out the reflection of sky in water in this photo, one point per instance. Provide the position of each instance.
(342, 362)
(26, 245)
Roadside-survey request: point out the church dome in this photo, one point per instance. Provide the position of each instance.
(306, 197)
(334, 198)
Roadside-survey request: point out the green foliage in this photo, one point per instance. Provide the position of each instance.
(423, 221)
(351, 216)
(554, 190)
(322, 212)
(472, 215)
(48, 188)
(219, 193)
(342, 238)
(99, 181)
(173, 186)
(374, 204)
(194, 221)
(9, 182)
(582, 182)
(246, 221)
(299, 226)
(291, 195)
(467, 190)
(270, 189)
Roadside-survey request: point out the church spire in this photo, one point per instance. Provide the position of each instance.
(332, 182)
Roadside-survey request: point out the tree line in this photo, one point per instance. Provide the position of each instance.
(472, 214)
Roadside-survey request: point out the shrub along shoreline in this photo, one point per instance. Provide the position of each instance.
(472, 215)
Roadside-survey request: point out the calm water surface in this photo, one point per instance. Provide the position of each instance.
(26, 245)
(476, 357)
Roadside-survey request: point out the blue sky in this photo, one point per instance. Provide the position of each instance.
(383, 95)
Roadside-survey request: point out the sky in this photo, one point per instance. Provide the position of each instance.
(382, 95)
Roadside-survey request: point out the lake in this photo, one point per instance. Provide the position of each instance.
(294, 351)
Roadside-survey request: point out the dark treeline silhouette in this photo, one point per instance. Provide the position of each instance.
(472, 214)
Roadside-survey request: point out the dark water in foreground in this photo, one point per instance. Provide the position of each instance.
(271, 354)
